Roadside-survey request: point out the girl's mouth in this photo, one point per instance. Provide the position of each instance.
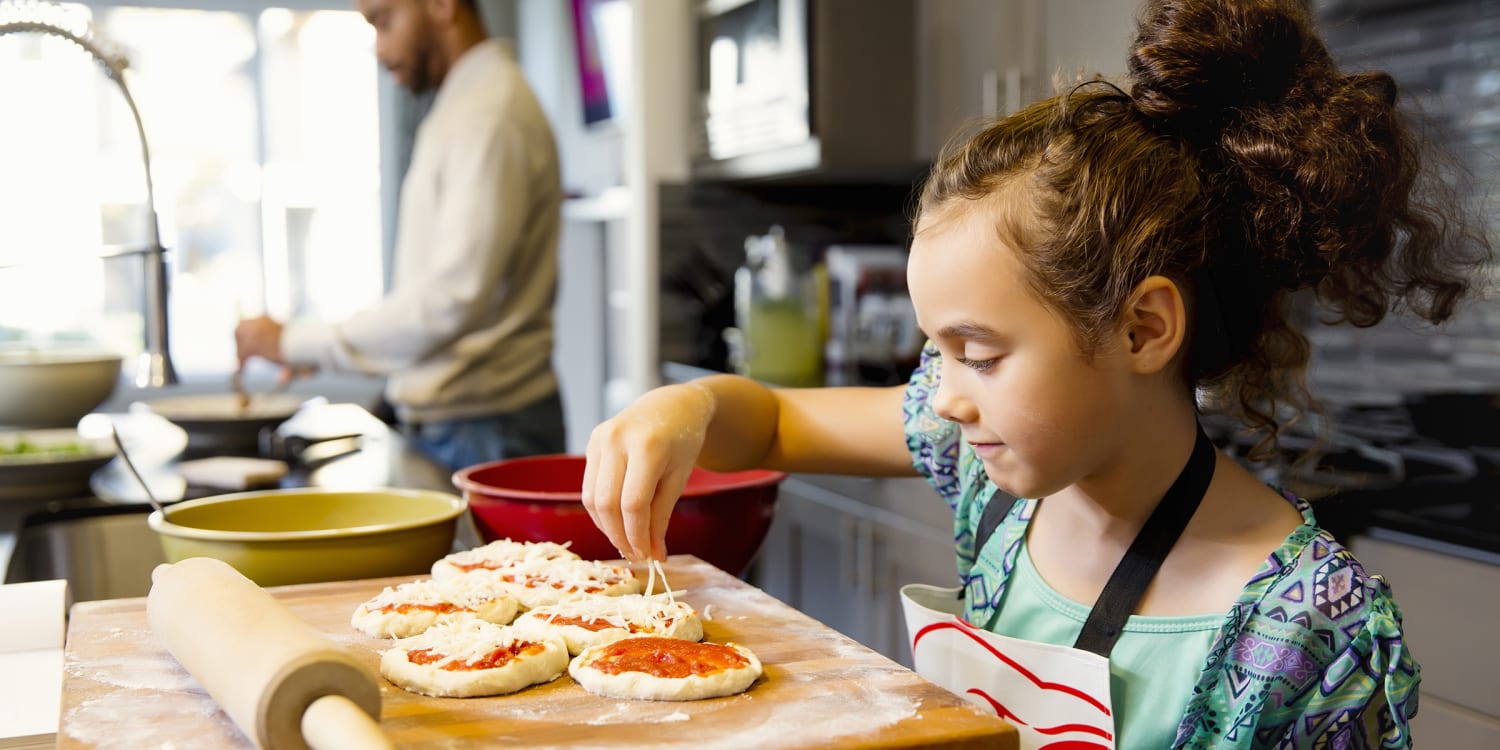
(986, 448)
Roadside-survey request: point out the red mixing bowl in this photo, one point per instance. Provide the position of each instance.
(721, 517)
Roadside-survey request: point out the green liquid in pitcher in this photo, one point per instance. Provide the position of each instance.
(785, 344)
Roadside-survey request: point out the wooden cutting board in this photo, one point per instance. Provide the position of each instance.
(121, 688)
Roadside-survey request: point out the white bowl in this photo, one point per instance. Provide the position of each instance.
(49, 463)
(42, 388)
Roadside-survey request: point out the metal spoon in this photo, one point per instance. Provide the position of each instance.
(120, 448)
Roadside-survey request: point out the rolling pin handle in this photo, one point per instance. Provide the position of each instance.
(334, 722)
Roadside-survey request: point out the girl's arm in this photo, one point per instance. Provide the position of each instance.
(639, 461)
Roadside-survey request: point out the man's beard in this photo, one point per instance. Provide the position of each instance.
(420, 79)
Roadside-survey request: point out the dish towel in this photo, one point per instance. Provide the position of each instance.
(232, 472)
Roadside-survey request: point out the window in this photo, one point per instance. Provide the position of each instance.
(263, 126)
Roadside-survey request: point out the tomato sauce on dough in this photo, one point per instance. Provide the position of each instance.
(595, 624)
(441, 608)
(667, 657)
(495, 659)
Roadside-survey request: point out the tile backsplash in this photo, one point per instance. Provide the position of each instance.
(1445, 57)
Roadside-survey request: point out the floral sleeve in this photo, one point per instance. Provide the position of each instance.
(1313, 656)
(932, 440)
(1368, 694)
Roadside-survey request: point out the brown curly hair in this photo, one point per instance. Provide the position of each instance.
(1244, 166)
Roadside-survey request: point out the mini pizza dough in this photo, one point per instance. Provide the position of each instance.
(544, 582)
(595, 620)
(502, 553)
(411, 608)
(665, 669)
(472, 658)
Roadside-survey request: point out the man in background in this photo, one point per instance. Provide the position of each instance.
(465, 335)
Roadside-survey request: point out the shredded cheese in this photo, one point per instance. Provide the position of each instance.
(463, 641)
(505, 553)
(649, 613)
(564, 574)
(656, 568)
(466, 592)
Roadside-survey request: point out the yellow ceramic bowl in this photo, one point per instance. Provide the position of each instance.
(278, 537)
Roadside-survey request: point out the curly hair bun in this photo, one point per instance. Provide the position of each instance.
(1197, 63)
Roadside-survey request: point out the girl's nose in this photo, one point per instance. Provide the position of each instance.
(948, 402)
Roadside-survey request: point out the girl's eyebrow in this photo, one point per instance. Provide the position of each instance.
(968, 329)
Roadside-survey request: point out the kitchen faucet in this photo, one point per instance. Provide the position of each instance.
(154, 368)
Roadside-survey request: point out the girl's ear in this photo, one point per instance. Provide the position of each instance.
(1154, 326)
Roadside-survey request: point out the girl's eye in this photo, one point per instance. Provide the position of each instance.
(980, 365)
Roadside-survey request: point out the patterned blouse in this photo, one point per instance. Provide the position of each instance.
(1311, 655)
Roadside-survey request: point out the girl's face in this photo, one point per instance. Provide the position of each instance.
(1039, 413)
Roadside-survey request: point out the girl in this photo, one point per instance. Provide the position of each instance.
(1090, 271)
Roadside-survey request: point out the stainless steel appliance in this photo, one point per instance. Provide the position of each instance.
(806, 87)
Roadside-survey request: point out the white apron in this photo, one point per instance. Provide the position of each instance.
(1056, 696)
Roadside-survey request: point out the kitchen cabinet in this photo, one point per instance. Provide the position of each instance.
(967, 51)
(980, 58)
(840, 548)
(1448, 613)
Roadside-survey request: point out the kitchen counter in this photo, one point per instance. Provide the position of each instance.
(820, 689)
(99, 540)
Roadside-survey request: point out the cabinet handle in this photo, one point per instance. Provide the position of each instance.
(1012, 89)
(989, 93)
(867, 551)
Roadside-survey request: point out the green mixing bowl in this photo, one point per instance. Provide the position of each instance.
(279, 537)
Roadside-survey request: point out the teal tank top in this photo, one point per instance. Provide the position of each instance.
(1166, 652)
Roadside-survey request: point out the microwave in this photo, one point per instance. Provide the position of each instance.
(789, 88)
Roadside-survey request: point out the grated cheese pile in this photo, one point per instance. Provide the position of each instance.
(655, 612)
(561, 574)
(462, 641)
(466, 592)
(505, 553)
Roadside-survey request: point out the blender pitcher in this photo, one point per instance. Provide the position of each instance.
(779, 313)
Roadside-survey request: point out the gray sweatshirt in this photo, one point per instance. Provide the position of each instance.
(466, 330)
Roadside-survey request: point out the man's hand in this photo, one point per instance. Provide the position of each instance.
(258, 337)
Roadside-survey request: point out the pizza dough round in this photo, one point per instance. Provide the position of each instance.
(544, 582)
(665, 669)
(472, 658)
(502, 553)
(411, 608)
(595, 620)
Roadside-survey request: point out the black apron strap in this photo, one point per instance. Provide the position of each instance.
(994, 512)
(1128, 583)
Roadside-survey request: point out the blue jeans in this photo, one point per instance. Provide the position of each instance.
(532, 430)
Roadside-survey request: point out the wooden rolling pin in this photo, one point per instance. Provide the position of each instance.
(284, 684)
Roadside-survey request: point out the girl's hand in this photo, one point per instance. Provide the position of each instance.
(638, 463)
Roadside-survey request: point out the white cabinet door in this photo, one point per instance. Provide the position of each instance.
(905, 554)
(1448, 609)
(967, 50)
(980, 58)
(1085, 37)
(814, 556)
(843, 560)
(1445, 725)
